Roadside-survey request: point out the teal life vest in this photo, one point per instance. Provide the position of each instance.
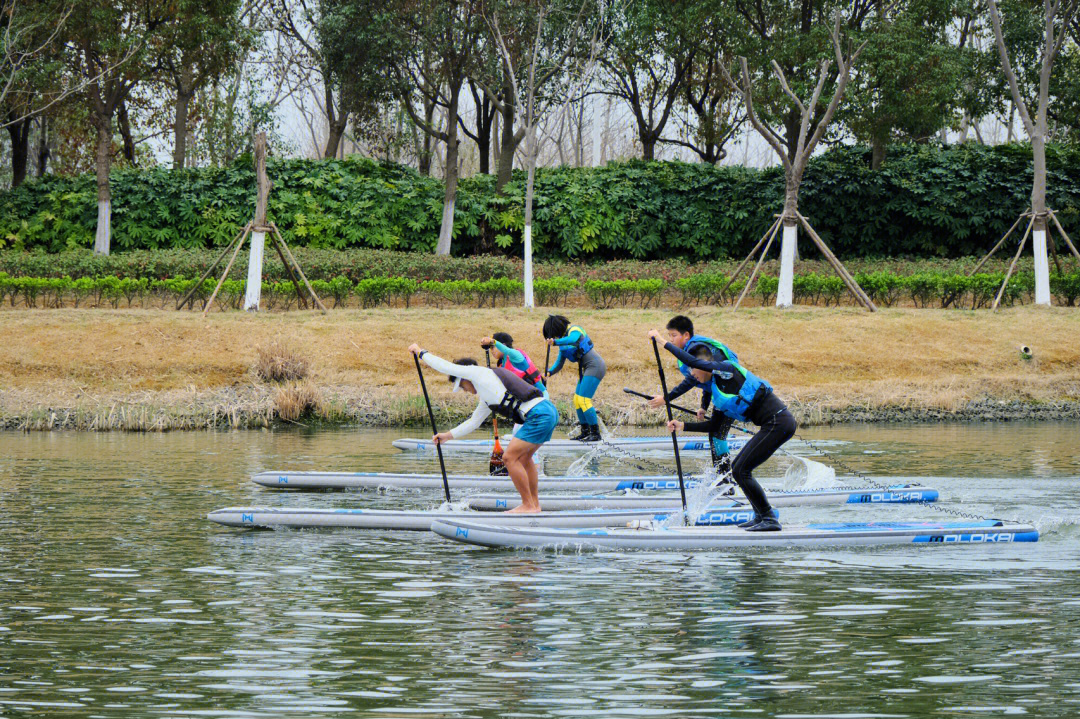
(575, 352)
(737, 405)
(717, 347)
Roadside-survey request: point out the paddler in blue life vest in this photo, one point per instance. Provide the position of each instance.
(501, 345)
(501, 391)
(742, 396)
(680, 330)
(575, 346)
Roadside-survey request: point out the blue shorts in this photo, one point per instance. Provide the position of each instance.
(539, 423)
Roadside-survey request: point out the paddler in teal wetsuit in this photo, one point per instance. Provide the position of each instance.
(680, 331)
(743, 396)
(576, 346)
(502, 346)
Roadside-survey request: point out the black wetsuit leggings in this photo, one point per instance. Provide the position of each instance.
(776, 426)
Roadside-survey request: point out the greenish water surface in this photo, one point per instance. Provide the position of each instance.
(118, 599)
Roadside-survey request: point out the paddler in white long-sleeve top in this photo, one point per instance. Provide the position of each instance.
(500, 391)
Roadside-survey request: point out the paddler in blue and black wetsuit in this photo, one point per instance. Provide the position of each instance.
(742, 396)
(515, 360)
(575, 346)
(680, 330)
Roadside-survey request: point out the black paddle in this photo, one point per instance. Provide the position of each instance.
(646, 396)
(495, 463)
(683, 409)
(674, 438)
(434, 429)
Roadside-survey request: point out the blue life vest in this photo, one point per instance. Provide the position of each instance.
(737, 405)
(575, 352)
(717, 347)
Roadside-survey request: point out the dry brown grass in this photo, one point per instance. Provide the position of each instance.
(275, 362)
(296, 399)
(822, 359)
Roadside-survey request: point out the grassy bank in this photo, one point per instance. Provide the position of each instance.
(157, 370)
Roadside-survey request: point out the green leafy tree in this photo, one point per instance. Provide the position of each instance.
(909, 81)
(648, 59)
(202, 39)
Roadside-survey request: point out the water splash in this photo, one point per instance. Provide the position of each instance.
(804, 474)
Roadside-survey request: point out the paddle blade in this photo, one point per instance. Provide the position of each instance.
(496, 467)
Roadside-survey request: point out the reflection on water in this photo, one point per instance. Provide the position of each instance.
(117, 599)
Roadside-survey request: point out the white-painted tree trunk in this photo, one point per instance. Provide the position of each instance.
(1042, 268)
(446, 228)
(528, 268)
(104, 220)
(787, 265)
(253, 292)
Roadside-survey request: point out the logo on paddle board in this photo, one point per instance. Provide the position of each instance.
(973, 538)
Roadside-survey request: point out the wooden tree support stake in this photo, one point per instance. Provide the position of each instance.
(1002, 240)
(849, 281)
(1012, 265)
(238, 241)
(221, 281)
(769, 233)
(259, 224)
(761, 260)
(281, 240)
(1064, 235)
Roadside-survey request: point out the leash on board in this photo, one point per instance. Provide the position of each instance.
(877, 485)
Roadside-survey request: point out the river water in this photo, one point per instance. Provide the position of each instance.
(118, 599)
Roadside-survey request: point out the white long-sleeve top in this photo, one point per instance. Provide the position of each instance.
(489, 390)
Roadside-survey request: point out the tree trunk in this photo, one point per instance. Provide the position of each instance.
(43, 146)
(508, 143)
(450, 173)
(877, 152)
(423, 161)
(125, 132)
(104, 198)
(184, 92)
(1038, 207)
(1038, 185)
(338, 120)
(789, 245)
(483, 135)
(648, 145)
(20, 149)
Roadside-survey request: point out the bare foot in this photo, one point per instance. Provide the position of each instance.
(523, 509)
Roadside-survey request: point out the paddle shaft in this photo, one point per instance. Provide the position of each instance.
(645, 396)
(683, 409)
(434, 429)
(494, 417)
(674, 437)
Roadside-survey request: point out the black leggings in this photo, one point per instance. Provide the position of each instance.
(775, 429)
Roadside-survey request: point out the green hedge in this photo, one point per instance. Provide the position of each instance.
(923, 289)
(925, 201)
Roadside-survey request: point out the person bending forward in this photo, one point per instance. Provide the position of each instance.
(741, 396)
(500, 391)
(576, 346)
